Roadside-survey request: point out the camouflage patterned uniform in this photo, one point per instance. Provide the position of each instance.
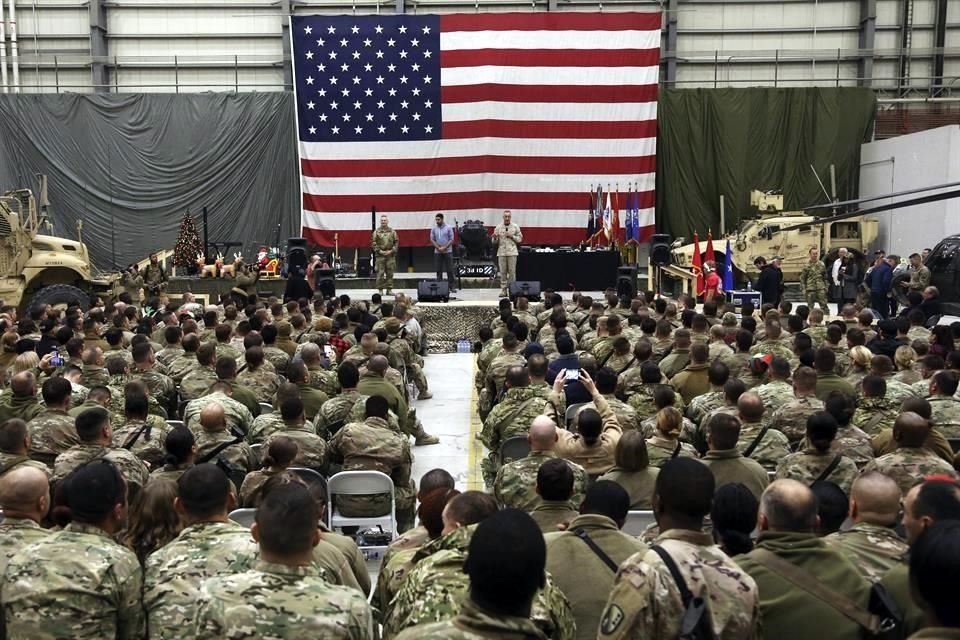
(335, 411)
(496, 373)
(770, 451)
(776, 347)
(791, 418)
(813, 285)
(372, 446)
(385, 240)
(117, 398)
(15, 535)
(281, 601)
(516, 483)
(118, 352)
(472, 623)
(169, 354)
(323, 380)
(159, 385)
(196, 383)
(133, 470)
(703, 404)
(16, 407)
(76, 583)
(182, 366)
(279, 358)
(675, 362)
(435, 587)
(873, 415)
(945, 416)
(646, 603)
(719, 350)
(805, 466)
(688, 430)
(871, 548)
(239, 454)
(144, 440)
(174, 573)
(236, 413)
(661, 450)
(817, 333)
(262, 382)
(52, 433)
(775, 394)
(312, 448)
(908, 465)
(511, 417)
(642, 400)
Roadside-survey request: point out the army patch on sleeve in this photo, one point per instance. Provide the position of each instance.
(612, 618)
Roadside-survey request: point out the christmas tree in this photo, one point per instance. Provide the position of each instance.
(188, 245)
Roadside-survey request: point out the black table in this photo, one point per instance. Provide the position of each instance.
(568, 271)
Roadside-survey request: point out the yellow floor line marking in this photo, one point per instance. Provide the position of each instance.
(475, 450)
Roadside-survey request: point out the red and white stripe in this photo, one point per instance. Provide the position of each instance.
(537, 108)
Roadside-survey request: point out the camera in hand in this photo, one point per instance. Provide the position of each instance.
(573, 374)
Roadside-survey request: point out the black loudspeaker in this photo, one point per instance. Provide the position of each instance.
(363, 268)
(627, 281)
(660, 249)
(529, 289)
(433, 291)
(297, 255)
(325, 282)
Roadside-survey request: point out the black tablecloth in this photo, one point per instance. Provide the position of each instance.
(581, 271)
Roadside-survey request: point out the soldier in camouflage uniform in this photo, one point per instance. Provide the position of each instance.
(606, 381)
(139, 436)
(874, 412)
(292, 597)
(78, 582)
(261, 381)
(372, 446)
(773, 344)
(171, 347)
(911, 462)
(515, 486)
(210, 545)
(311, 448)
(15, 448)
(646, 601)
(791, 418)
(872, 544)
(335, 411)
(778, 391)
(385, 243)
(945, 408)
(490, 382)
(154, 277)
(132, 282)
(276, 356)
(815, 463)
(817, 330)
(196, 383)
(409, 359)
(237, 414)
(813, 282)
(93, 427)
(511, 417)
(773, 446)
(145, 369)
(701, 405)
(214, 432)
(52, 432)
(25, 496)
(435, 587)
(186, 362)
(22, 401)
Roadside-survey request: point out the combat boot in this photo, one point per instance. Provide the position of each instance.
(422, 438)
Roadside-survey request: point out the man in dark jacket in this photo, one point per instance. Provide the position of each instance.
(878, 280)
(769, 281)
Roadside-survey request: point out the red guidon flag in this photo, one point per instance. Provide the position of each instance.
(469, 115)
(698, 266)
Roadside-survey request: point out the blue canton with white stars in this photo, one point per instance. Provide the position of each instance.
(367, 78)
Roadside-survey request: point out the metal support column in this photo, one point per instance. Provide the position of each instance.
(400, 6)
(98, 46)
(866, 42)
(286, 10)
(939, 42)
(670, 48)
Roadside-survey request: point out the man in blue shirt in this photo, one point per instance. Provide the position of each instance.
(441, 237)
(879, 280)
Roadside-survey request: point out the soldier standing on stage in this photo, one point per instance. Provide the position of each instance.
(154, 277)
(385, 244)
(507, 237)
(813, 282)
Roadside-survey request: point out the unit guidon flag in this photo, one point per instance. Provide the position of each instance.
(469, 115)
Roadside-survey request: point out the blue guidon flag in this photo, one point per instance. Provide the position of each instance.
(470, 115)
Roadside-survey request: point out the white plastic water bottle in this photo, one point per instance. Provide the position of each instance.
(749, 285)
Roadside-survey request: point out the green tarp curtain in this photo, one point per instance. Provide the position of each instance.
(730, 141)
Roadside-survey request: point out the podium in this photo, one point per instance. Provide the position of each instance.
(745, 295)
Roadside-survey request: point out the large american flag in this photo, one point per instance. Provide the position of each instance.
(470, 115)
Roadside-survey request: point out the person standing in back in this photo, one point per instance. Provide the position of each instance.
(441, 237)
(507, 236)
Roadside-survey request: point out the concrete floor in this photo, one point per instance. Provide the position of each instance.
(448, 415)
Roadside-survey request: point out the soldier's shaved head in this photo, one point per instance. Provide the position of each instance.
(750, 407)
(378, 364)
(875, 499)
(213, 417)
(543, 434)
(382, 349)
(23, 384)
(310, 353)
(92, 356)
(788, 506)
(911, 430)
(25, 493)
(517, 376)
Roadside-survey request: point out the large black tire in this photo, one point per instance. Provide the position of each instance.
(900, 293)
(61, 294)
